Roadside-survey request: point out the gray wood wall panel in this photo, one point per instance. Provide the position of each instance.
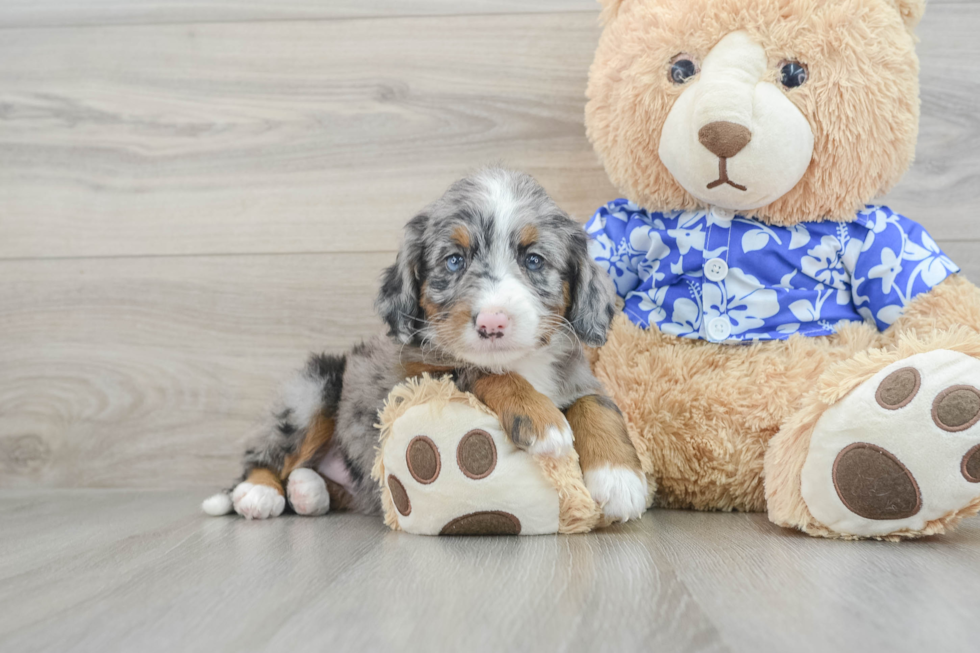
(187, 209)
(279, 137)
(327, 136)
(61, 13)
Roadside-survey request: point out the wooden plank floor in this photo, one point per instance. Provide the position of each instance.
(104, 570)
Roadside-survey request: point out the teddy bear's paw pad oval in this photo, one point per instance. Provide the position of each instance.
(971, 465)
(898, 388)
(476, 454)
(898, 454)
(956, 408)
(463, 475)
(490, 522)
(874, 484)
(424, 462)
(399, 496)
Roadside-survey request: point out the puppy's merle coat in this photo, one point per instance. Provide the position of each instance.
(492, 284)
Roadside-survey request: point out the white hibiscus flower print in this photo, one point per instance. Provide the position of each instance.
(688, 239)
(741, 297)
(800, 236)
(685, 321)
(651, 304)
(647, 249)
(935, 265)
(887, 270)
(823, 264)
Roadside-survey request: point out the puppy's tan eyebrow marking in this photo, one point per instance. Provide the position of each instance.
(461, 236)
(528, 235)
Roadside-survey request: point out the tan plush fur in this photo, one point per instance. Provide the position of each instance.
(704, 418)
(578, 513)
(701, 414)
(861, 100)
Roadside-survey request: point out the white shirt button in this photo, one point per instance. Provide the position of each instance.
(715, 269)
(722, 214)
(720, 328)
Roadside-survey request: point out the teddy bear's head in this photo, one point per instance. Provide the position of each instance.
(789, 110)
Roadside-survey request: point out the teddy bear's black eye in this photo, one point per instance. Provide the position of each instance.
(793, 74)
(682, 68)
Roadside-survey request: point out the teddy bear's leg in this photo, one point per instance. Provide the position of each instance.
(888, 443)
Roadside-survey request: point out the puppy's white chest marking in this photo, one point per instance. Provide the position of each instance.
(537, 369)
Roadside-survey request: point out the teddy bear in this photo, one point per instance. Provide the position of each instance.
(785, 345)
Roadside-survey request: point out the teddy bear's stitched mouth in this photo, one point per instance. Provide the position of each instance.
(723, 176)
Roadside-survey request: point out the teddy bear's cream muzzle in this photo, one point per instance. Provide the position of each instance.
(733, 139)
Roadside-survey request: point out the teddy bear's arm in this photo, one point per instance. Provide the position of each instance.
(953, 303)
(898, 263)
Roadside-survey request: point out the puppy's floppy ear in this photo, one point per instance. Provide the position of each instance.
(593, 296)
(398, 299)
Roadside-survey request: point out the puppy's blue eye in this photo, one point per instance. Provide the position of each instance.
(793, 74)
(455, 263)
(533, 262)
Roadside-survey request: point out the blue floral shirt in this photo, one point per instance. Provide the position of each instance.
(713, 275)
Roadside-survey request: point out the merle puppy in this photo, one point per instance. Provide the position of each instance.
(492, 284)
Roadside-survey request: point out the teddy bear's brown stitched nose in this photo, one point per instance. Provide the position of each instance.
(724, 139)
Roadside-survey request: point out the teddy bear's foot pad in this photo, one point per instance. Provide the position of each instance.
(900, 451)
(488, 522)
(451, 470)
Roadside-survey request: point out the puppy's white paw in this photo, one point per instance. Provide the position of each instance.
(557, 441)
(619, 491)
(217, 504)
(257, 501)
(307, 492)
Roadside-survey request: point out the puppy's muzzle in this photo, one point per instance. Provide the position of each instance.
(492, 325)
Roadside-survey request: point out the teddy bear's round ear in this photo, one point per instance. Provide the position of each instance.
(911, 11)
(609, 10)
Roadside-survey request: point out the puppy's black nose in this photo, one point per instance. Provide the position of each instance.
(724, 139)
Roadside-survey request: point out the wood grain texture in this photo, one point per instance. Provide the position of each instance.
(328, 136)
(279, 137)
(187, 209)
(149, 372)
(144, 571)
(62, 13)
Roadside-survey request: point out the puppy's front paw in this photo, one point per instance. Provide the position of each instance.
(620, 492)
(308, 492)
(257, 501)
(545, 434)
(557, 441)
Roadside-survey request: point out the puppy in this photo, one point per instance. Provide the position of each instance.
(493, 285)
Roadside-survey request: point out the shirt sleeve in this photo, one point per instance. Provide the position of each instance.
(898, 261)
(608, 232)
